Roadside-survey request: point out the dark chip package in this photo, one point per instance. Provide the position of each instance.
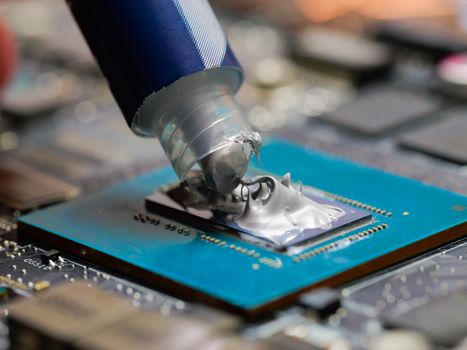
(445, 139)
(443, 319)
(378, 110)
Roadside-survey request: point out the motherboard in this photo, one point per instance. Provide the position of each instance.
(96, 252)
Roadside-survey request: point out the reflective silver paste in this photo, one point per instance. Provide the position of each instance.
(278, 212)
(262, 207)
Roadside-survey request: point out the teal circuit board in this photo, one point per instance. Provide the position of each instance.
(112, 228)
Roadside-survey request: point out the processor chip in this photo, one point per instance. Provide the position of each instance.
(168, 203)
(114, 229)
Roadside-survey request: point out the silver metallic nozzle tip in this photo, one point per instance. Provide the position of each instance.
(224, 168)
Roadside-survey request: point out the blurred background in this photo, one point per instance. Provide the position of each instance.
(380, 82)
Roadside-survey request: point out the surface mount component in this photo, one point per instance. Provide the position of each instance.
(50, 255)
(149, 330)
(23, 187)
(444, 139)
(443, 318)
(56, 318)
(452, 75)
(112, 228)
(323, 301)
(379, 109)
(429, 36)
(338, 51)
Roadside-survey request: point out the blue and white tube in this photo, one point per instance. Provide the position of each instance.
(173, 75)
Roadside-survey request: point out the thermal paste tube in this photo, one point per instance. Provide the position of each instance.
(173, 75)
